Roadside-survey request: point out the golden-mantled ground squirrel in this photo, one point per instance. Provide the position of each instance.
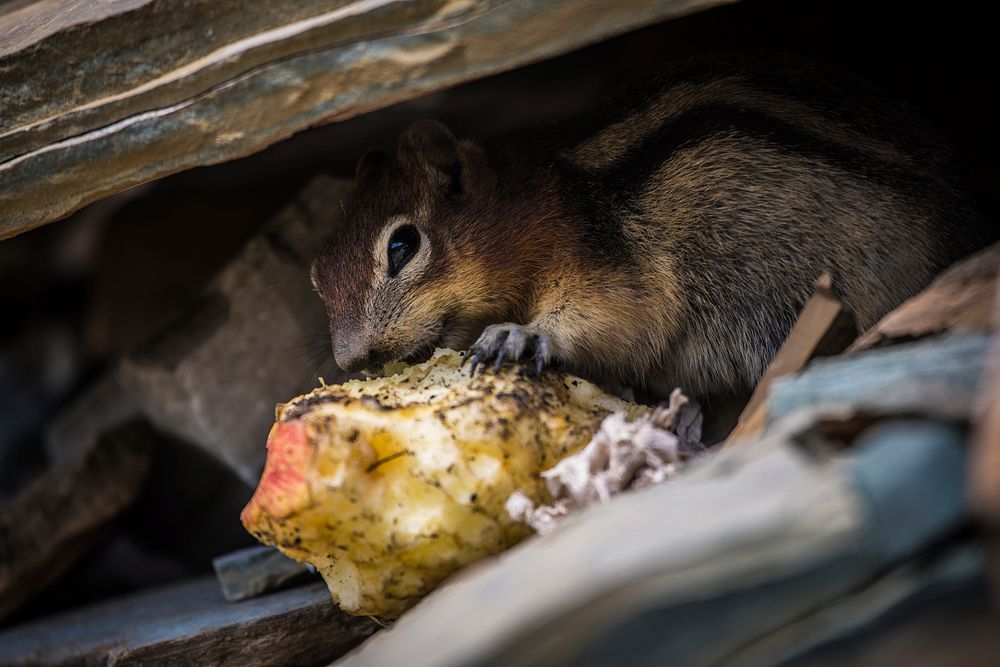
(669, 239)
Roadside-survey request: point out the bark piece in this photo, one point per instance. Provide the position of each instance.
(960, 300)
(191, 624)
(97, 99)
(49, 525)
(824, 327)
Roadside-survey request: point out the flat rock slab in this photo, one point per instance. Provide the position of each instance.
(191, 624)
(252, 571)
(98, 97)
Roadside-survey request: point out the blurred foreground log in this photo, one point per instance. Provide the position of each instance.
(101, 96)
(680, 574)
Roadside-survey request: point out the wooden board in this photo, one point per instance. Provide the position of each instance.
(936, 377)
(98, 97)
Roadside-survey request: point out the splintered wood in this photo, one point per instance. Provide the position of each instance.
(824, 327)
(960, 300)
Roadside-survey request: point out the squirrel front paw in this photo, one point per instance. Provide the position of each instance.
(510, 342)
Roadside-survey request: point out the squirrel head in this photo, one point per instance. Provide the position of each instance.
(403, 272)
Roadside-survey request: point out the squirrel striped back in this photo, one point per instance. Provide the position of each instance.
(669, 238)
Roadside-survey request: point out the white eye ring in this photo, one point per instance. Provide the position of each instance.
(414, 263)
(404, 244)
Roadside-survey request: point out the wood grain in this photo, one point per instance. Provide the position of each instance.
(95, 101)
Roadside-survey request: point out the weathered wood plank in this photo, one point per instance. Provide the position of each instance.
(680, 574)
(168, 51)
(162, 86)
(190, 624)
(933, 377)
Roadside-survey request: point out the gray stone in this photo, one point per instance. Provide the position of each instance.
(101, 407)
(213, 377)
(249, 572)
(256, 335)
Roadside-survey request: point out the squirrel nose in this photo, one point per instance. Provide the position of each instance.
(352, 353)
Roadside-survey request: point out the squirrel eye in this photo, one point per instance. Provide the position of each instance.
(402, 247)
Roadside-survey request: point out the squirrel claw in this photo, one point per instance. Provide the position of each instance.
(543, 354)
(509, 342)
(472, 366)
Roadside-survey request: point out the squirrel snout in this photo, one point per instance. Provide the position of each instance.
(352, 353)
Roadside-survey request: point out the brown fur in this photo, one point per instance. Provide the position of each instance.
(668, 240)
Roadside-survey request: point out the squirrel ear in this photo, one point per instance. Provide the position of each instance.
(430, 147)
(369, 166)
